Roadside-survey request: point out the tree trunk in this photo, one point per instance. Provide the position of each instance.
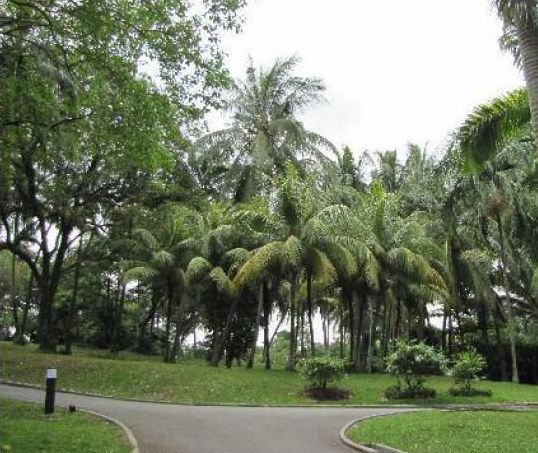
(252, 352)
(266, 341)
(218, 347)
(282, 318)
(73, 301)
(357, 361)
(292, 356)
(168, 326)
(48, 280)
(30, 294)
(341, 331)
(309, 308)
(528, 44)
(450, 334)
(508, 300)
(351, 324)
(14, 304)
(500, 351)
(371, 329)
(118, 319)
(443, 332)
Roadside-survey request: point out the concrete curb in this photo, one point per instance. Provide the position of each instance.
(130, 435)
(364, 448)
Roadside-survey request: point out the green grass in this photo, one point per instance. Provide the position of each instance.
(452, 432)
(24, 428)
(192, 381)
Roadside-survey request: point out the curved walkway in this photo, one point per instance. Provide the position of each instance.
(168, 428)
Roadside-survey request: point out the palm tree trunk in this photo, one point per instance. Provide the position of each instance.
(221, 338)
(508, 302)
(351, 324)
(450, 334)
(144, 346)
(266, 341)
(528, 44)
(500, 351)
(443, 332)
(168, 326)
(341, 332)
(370, 354)
(292, 357)
(252, 352)
(357, 362)
(309, 308)
(282, 318)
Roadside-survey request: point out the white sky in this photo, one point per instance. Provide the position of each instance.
(396, 71)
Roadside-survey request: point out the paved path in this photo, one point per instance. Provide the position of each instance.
(167, 428)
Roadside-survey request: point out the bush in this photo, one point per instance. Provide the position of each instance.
(411, 362)
(322, 370)
(467, 369)
(459, 391)
(397, 393)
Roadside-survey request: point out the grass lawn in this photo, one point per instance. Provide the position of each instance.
(192, 381)
(453, 432)
(24, 428)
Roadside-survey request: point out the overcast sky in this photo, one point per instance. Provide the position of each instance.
(396, 71)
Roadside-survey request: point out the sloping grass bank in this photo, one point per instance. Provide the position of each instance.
(192, 381)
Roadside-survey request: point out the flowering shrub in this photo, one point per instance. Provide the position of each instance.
(322, 370)
(411, 362)
(467, 369)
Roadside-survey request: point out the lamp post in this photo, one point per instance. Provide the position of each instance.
(50, 392)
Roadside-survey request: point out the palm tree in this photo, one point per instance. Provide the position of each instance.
(265, 132)
(490, 127)
(160, 266)
(520, 17)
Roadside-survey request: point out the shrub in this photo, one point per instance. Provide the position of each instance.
(412, 362)
(396, 392)
(467, 369)
(322, 370)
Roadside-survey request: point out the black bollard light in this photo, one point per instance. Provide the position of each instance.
(50, 394)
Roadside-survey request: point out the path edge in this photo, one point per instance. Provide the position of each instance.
(363, 448)
(128, 432)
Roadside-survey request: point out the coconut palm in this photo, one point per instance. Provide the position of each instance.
(520, 17)
(491, 126)
(265, 132)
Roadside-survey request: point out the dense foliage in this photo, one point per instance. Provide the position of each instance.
(124, 225)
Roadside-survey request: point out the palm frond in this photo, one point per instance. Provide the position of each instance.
(197, 270)
(491, 126)
(142, 273)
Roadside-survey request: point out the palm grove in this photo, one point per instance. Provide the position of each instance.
(124, 225)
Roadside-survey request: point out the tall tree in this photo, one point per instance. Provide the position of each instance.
(265, 131)
(521, 18)
(74, 139)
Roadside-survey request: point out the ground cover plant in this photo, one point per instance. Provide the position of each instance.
(24, 428)
(192, 381)
(452, 432)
